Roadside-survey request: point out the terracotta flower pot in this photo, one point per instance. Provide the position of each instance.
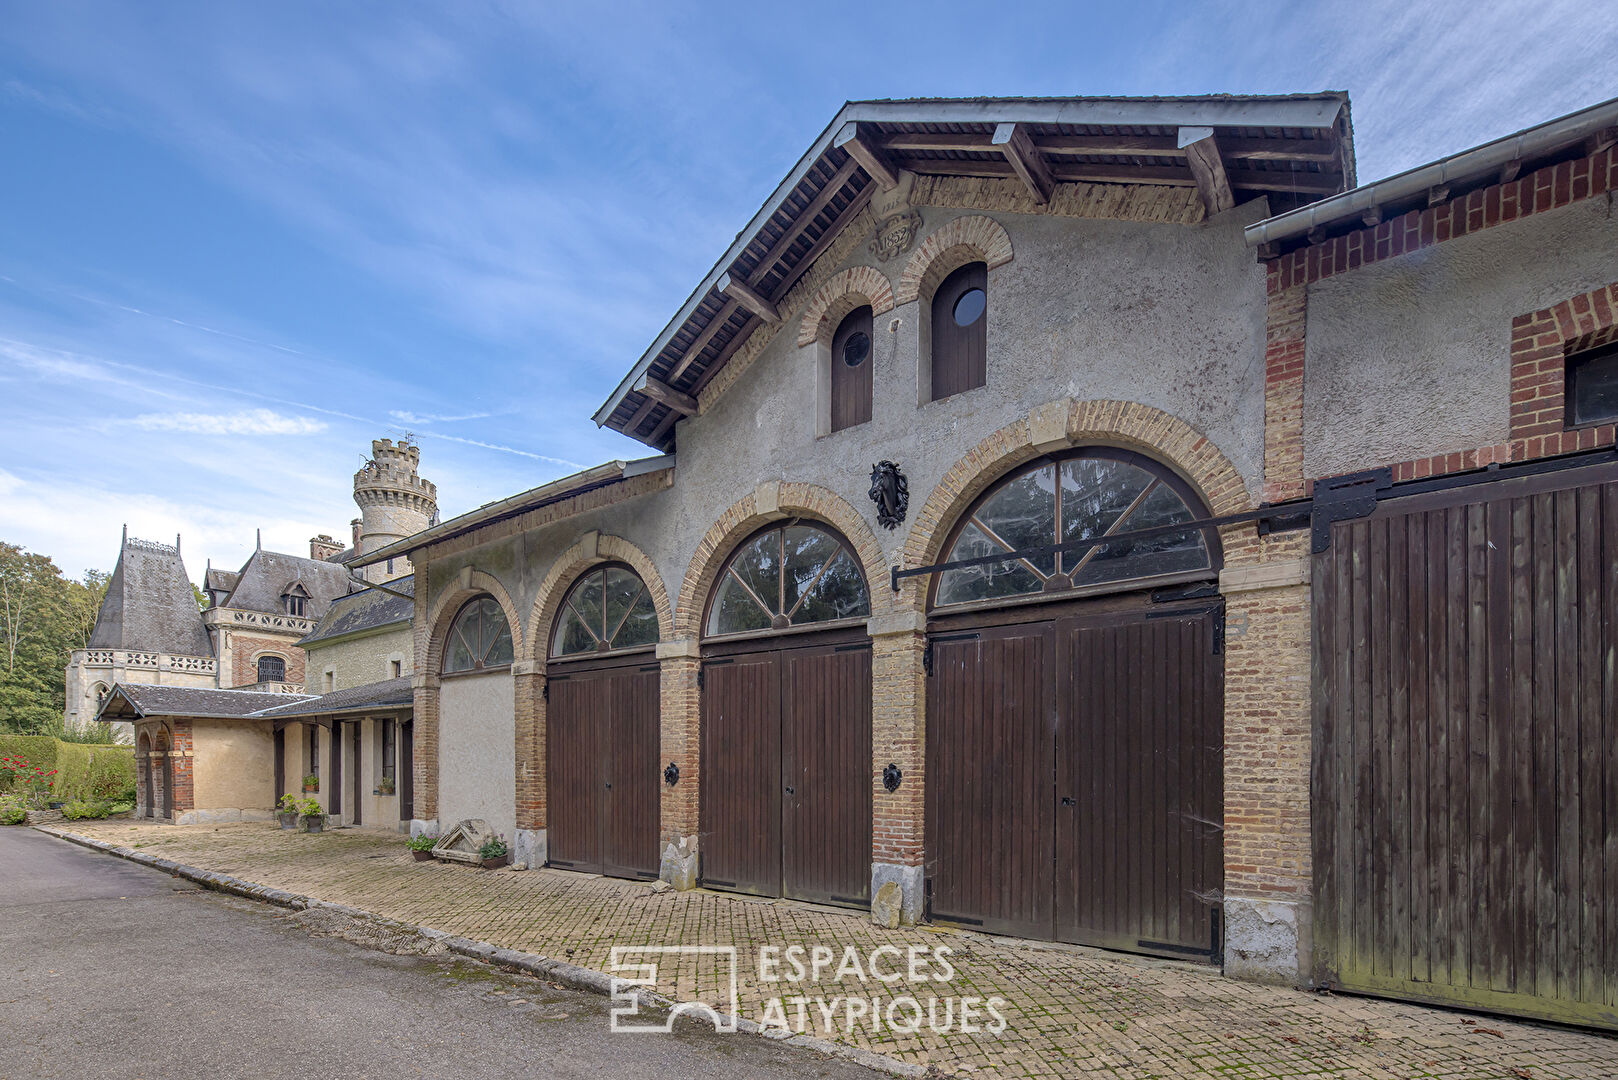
(423, 856)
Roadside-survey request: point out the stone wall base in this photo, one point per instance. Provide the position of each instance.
(221, 815)
(423, 826)
(679, 866)
(530, 848)
(1267, 940)
(909, 880)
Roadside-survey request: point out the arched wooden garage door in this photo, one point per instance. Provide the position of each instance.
(1075, 713)
(786, 720)
(601, 727)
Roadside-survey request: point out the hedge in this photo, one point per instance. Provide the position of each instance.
(79, 766)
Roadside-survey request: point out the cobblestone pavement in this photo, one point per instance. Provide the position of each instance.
(1069, 1011)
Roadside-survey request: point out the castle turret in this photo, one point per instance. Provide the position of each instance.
(394, 503)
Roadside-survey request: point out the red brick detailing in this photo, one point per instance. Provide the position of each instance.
(1549, 188)
(1284, 329)
(843, 292)
(181, 753)
(449, 604)
(954, 244)
(681, 727)
(898, 728)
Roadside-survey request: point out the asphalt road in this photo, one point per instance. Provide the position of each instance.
(109, 969)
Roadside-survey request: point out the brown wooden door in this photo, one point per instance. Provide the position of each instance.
(602, 743)
(1466, 748)
(851, 362)
(1139, 783)
(991, 716)
(407, 770)
(741, 773)
(786, 784)
(334, 751)
(960, 339)
(280, 761)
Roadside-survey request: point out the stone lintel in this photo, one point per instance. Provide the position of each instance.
(1047, 426)
(767, 497)
(671, 650)
(1273, 575)
(899, 622)
(525, 667)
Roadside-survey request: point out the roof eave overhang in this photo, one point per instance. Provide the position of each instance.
(1298, 111)
(612, 472)
(1468, 165)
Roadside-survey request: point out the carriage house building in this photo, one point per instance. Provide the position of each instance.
(1097, 520)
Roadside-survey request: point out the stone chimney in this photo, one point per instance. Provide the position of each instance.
(357, 527)
(323, 547)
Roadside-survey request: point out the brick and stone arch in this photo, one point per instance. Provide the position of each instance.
(846, 290)
(470, 583)
(592, 550)
(973, 238)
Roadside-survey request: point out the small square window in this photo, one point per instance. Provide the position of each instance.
(1592, 386)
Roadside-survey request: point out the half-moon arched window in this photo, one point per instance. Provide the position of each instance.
(478, 638)
(788, 575)
(1077, 498)
(608, 608)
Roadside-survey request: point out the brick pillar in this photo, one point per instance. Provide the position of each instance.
(1283, 388)
(681, 731)
(898, 728)
(425, 750)
(1268, 873)
(182, 754)
(529, 846)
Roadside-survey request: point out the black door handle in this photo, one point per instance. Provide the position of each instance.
(791, 790)
(1067, 800)
(609, 785)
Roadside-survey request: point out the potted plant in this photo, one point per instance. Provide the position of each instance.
(422, 847)
(311, 783)
(384, 786)
(494, 854)
(314, 818)
(287, 811)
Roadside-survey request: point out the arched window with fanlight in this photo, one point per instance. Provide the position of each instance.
(479, 638)
(960, 335)
(851, 363)
(790, 575)
(1086, 496)
(608, 609)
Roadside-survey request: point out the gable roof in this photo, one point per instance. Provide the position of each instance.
(1296, 147)
(149, 606)
(370, 609)
(128, 701)
(267, 575)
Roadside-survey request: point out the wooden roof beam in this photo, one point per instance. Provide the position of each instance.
(689, 357)
(870, 157)
(662, 392)
(1013, 141)
(749, 298)
(1208, 168)
(1164, 146)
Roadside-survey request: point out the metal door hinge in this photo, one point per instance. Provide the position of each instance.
(1219, 632)
(927, 658)
(545, 691)
(702, 677)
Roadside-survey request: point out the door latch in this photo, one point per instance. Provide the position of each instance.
(791, 790)
(1067, 800)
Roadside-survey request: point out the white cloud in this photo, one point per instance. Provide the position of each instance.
(246, 422)
(406, 417)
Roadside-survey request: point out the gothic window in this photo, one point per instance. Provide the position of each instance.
(960, 335)
(1084, 497)
(479, 638)
(272, 669)
(851, 364)
(789, 575)
(608, 608)
(295, 600)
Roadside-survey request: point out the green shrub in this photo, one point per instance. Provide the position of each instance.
(120, 806)
(422, 842)
(79, 810)
(288, 804)
(310, 807)
(11, 810)
(87, 771)
(493, 848)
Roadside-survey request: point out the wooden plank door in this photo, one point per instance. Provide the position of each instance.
(1139, 789)
(573, 780)
(280, 762)
(334, 752)
(628, 746)
(741, 773)
(826, 774)
(1466, 734)
(357, 779)
(407, 770)
(990, 779)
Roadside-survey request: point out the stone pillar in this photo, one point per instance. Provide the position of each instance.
(424, 812)
(1268, 872)
(529, 846)
(898, 734)
(681, 731)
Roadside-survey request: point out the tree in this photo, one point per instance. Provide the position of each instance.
(84, 604)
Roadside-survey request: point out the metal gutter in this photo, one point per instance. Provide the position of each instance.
(1458, 168)
(1300, 111)
(611, 472)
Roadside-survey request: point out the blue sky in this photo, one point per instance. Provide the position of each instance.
(241, 240)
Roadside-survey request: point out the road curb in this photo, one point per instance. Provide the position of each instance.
(569, 975)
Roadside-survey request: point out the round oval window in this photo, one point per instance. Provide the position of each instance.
(969, 308)
(856, 349)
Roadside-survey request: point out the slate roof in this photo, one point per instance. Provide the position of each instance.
(220, 580)
(378, 695)
(267, 574)
(366, 610)
(134, 702)
(149, 606)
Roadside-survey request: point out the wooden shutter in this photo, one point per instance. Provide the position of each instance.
(960, 353)
(851, 385)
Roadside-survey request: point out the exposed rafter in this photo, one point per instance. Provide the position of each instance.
(1321, 183)
(1013, 141)
(721, 317)
(1165, 146)
(852, 139)
(661, 391)
(1208, 168)
(749, 298)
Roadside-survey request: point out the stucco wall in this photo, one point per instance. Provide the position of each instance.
(1411, 357)
(358, 661)
(235, 764)
(477, 771)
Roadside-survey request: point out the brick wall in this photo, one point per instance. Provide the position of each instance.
(247, 648)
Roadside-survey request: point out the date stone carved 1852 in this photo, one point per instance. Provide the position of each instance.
(891, 493)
